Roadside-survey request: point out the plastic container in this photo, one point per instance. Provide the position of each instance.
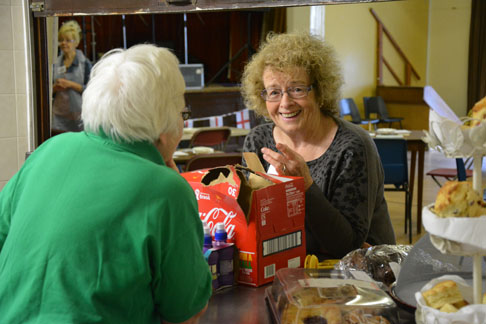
(207, 236)
(220, 235)
(327, 296)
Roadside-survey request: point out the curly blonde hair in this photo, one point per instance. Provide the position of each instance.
(285, 52)
(72, 29)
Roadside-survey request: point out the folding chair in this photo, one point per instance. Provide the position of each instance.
(459, 173)
(204, 161)
(214, 137)
(393, 155)
(347, 107)
(376, 105)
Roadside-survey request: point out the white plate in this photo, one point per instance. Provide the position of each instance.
(402, 131)
(179, 154)
(202, 150)
(383, 131)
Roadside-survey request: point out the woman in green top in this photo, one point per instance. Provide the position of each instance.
(98, 226)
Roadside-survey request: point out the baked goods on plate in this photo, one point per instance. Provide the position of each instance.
(448, 300)
(478, 112)
(442, 294)
(307, 296)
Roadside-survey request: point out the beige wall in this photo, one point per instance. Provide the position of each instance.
(448, 51)
(13, 99)
(352, 31)
(298, 19)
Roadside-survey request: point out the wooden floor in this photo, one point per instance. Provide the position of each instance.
(396, 200)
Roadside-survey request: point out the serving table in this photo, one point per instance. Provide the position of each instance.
(238, 305)
(246, 305)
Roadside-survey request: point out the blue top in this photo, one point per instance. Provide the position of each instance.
(67, 104)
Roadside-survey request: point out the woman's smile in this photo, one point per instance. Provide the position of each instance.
(290, 115)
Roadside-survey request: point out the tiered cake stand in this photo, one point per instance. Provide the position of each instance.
(460, 236)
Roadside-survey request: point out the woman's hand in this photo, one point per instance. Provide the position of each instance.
(63, 84)
(288, 163)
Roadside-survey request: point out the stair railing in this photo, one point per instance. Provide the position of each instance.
(409, 69)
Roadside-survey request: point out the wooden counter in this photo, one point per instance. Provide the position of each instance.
(406, 102)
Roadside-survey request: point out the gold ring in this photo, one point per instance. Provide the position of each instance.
(284, 168)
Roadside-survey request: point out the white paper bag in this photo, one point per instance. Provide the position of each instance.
(471, 314)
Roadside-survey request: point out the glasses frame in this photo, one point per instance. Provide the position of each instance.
(263, 93)
(66, 41)
(186, 113)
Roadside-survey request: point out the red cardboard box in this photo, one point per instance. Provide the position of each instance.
(263, 215)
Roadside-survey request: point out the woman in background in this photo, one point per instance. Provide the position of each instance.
(295, 81)
(71, 74)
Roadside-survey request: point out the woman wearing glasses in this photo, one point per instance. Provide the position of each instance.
(71, 74)
(295, 81)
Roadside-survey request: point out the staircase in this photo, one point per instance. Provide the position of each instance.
(403, 100)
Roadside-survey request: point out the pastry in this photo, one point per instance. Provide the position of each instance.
(460, 304)
(459, 199)
(338, 295)
(445, 292)
(326, 314)
(448, 308)
(360, 317)
(377, 320)
(478, 112)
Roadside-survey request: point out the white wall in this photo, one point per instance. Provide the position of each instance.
(13, 98)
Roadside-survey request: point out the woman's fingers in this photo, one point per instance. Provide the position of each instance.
(276, 159)
(288, 162)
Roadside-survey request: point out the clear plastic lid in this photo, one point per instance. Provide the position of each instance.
(327, 296)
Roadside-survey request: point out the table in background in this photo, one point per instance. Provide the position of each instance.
(235, 132)
(415, 145)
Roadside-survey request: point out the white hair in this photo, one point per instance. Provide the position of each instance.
(135, 94)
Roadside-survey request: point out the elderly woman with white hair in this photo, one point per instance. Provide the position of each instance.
(70, 75)
(98, 226)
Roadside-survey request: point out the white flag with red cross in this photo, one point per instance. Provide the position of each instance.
(243, 119)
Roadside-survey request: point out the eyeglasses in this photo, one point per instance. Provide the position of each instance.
(186, 113)
(274, 95)
(66, 40)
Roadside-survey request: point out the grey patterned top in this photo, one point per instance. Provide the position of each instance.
(345, 206)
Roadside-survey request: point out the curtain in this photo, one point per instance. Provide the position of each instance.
(274, 21)
(476, 89)
(247, 30)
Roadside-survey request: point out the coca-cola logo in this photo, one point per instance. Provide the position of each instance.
(215, 215)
